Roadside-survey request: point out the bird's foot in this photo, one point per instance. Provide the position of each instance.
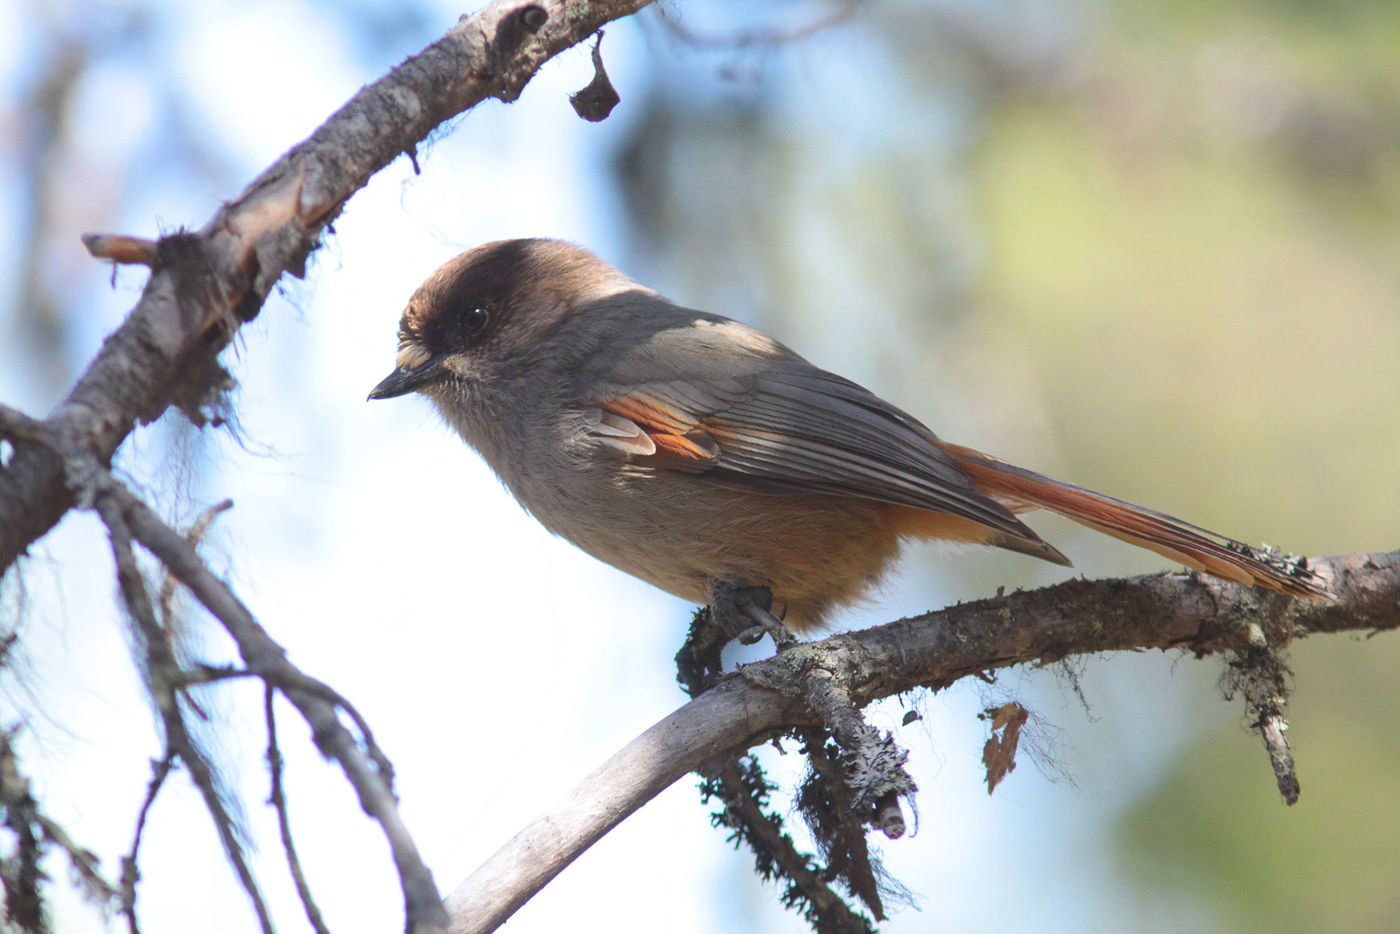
(735, 612)
(746, 613)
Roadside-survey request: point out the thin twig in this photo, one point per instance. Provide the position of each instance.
(131, 868)
(284, 824)
(161, 669)
(120, 248)
(1260, 672)
(366, 767)
(194, 535)
(16, 426)
(85, 862)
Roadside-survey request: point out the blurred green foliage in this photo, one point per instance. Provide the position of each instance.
(1194, 242)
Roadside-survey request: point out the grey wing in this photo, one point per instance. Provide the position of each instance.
(760, 417)
(816, 431)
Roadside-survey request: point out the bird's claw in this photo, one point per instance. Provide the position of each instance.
(747, 613)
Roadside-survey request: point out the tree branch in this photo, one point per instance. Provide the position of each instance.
(366, 768)
(1166, 611)
(160, 669)
(205, 285)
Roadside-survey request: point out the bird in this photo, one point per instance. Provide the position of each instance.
(706, 458)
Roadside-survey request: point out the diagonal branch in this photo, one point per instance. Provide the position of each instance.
(205, 285)
(1165, 611)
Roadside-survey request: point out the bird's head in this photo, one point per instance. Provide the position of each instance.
(485, 313)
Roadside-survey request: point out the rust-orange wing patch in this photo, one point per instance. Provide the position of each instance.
(678, 440)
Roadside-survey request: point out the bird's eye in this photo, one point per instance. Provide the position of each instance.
(475, 320)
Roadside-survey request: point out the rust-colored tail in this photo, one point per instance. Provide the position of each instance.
(1020, 489)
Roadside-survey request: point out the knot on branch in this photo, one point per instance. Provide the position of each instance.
(511, 32)
(83, 477)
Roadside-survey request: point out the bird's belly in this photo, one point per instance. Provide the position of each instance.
(816, 552)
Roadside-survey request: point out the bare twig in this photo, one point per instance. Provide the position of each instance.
(131, 871)
(284, 823)
(120, 248)
(701, 731)
(1260, 672)
(194, 535)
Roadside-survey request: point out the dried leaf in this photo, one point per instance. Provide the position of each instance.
(999, 753)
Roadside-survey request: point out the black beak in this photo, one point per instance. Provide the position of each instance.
(403, 381)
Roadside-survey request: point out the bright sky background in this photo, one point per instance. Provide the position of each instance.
(497, 664)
